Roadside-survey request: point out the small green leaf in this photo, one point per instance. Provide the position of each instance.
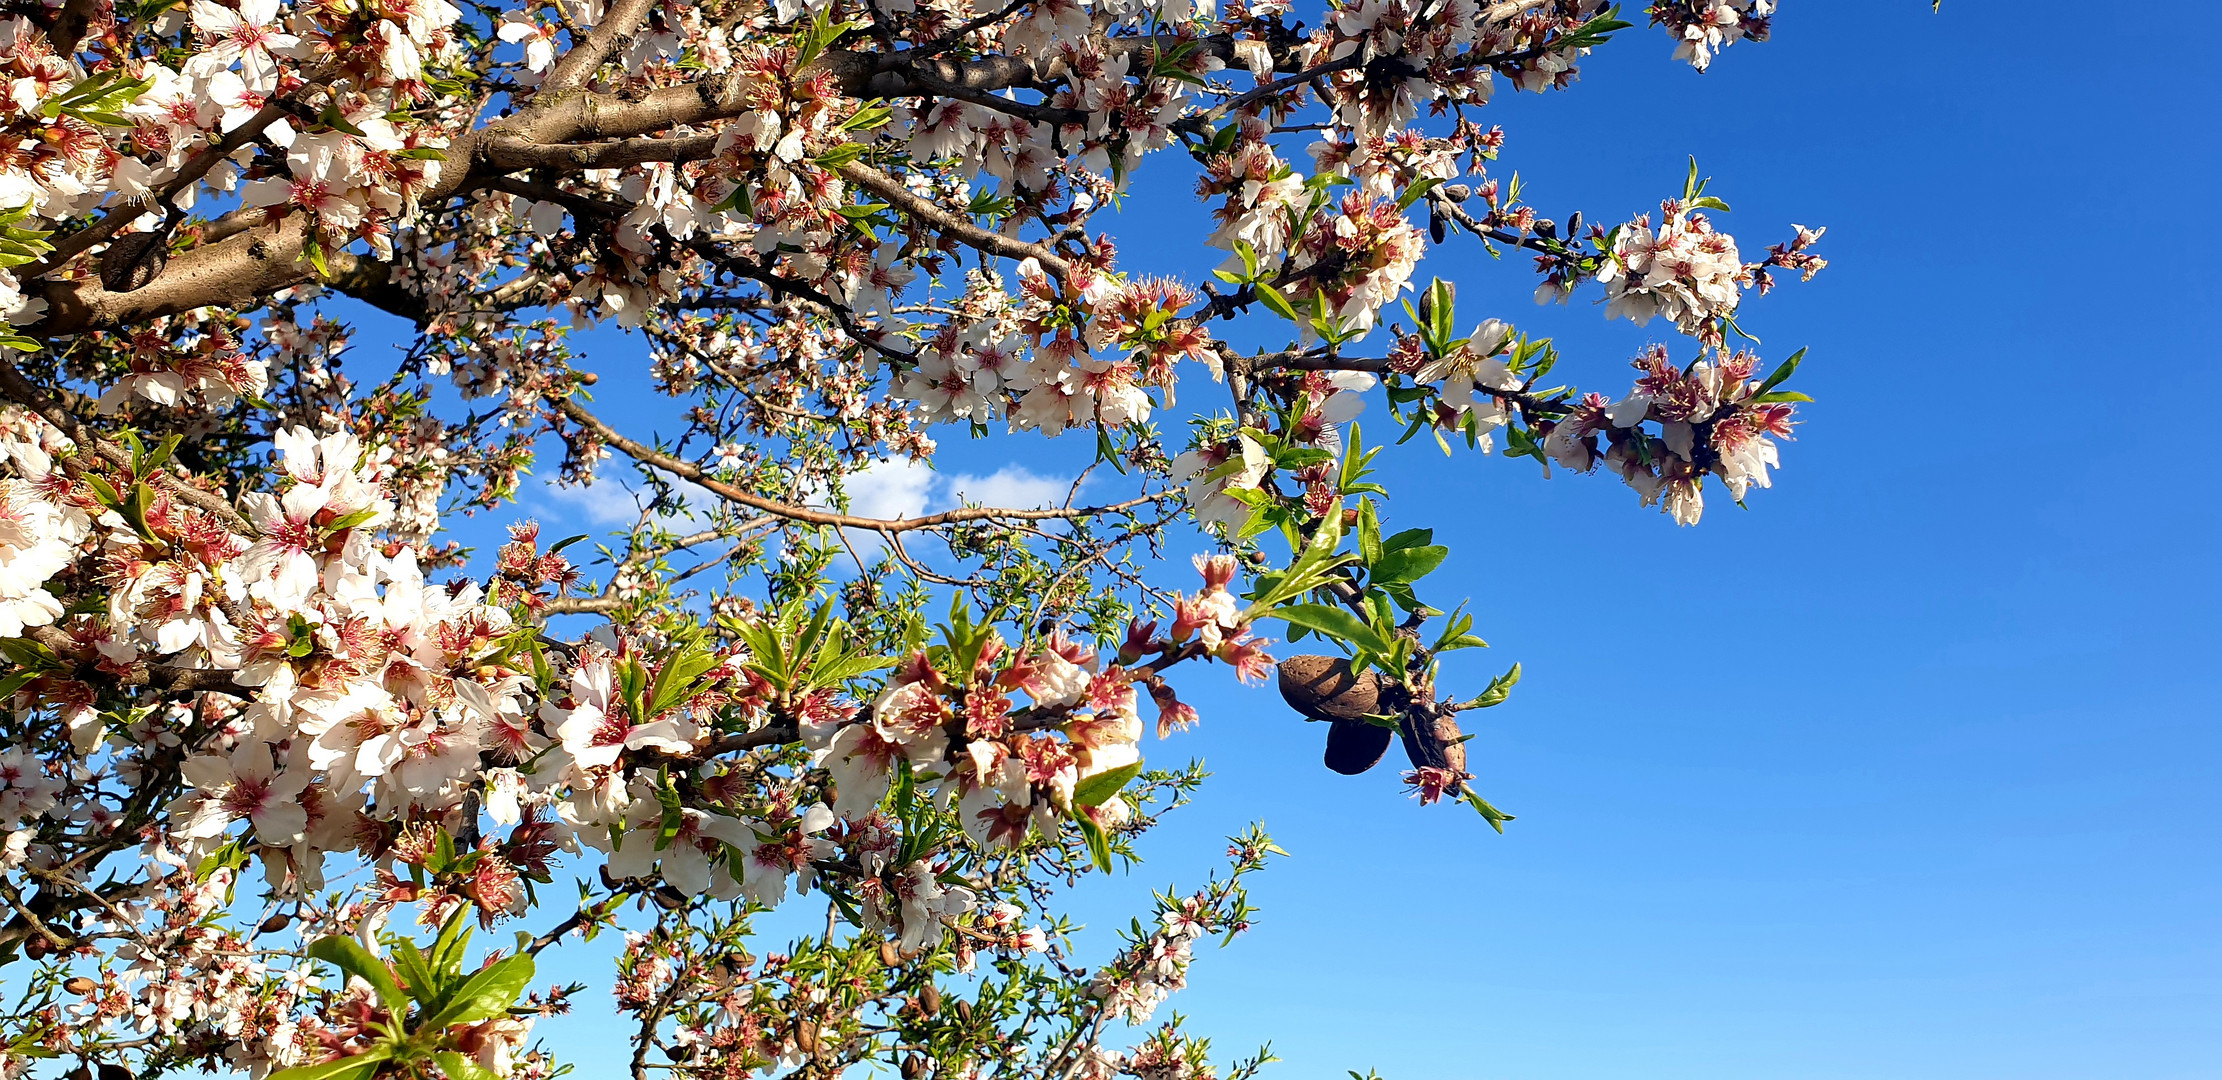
(1500, 688)
(1782, 371)
(1276, 302)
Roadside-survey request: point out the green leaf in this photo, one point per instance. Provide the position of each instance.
(348, 521)
(679, 678)
(1409, 538)
(232, 856)
(1097, 789)
(1491, 814)
(1500, 688)
(871, 114)
(483, 996)
(1099, 844)
(1778, 396)
(458, 1067)
(359, 1067)
(1333, 622)
(1369, 534)
(1416, 192)
(1276, 302)
(349, 955)
(844, 154)
(1782, 371)
(674, 814)
(423, 982)
(104, 491)
(1408, 564)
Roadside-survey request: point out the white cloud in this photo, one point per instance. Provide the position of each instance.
(1013, 486)
(886, 489)
(891, 489)
(899, 489)
(611, 503)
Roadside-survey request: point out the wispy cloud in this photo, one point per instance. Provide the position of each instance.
(886, 489)
(895, 489)
(611, 503)
(1013, 486)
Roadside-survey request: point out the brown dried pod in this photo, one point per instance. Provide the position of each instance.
(113, 1071)
(888, 955)
(914, 1067)
(806, 1036)
(964, 1011)
(1353, 746)
(80, 986)
(1435, 742)
(929, 1000)
(275, 923)
(133, 262)
(1322, 688)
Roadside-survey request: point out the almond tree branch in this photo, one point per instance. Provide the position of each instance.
(958, 226)
(585, 57)
(19, 389)
(688, 470)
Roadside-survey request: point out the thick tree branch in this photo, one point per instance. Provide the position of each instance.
(962, 228)
(585, 57)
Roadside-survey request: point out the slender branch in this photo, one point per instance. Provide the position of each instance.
(688, 470)
(19, 389)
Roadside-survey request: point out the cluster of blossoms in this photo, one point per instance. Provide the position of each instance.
(1009, 768)
(1155, 969)
(1026, 362)
(1707, 422)
(41, 531)
(1466, 375)
(1683, 270)
(1702, 28)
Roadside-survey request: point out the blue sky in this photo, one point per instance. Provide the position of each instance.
(1909, 771)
